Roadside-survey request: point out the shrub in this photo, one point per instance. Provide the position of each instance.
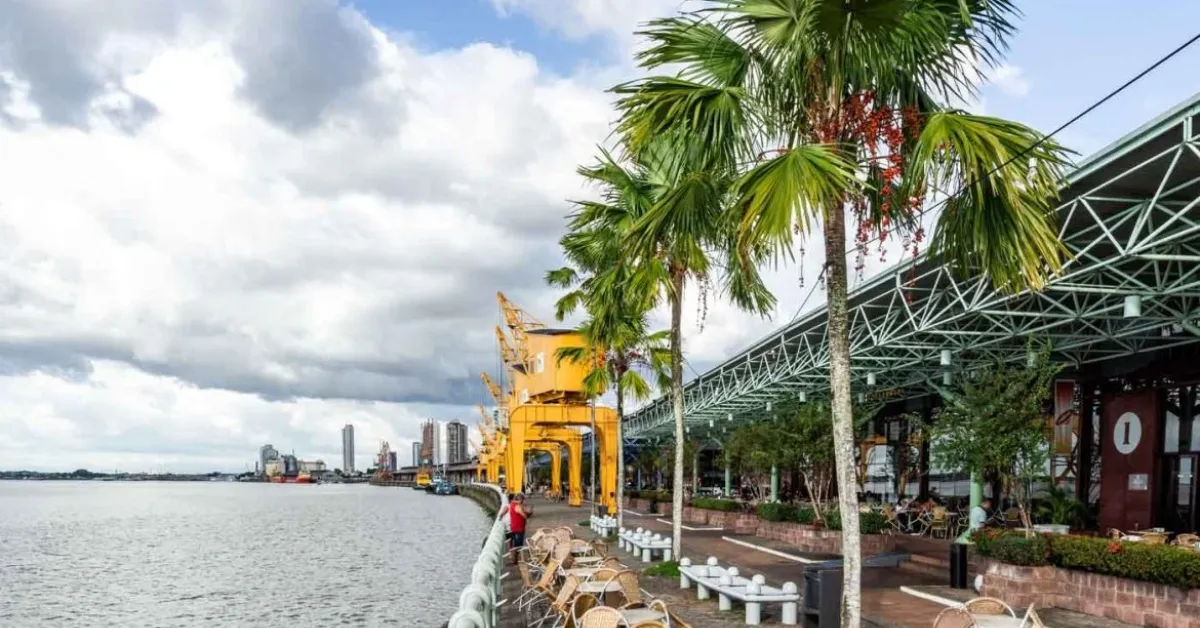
(872, 522)
(868, 522)
(668, 569)
(1013, 547)
(806, 515)
(776, 511)
(1162, 564)
(709, 503)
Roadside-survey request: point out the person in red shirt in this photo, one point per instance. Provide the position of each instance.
(517, 513)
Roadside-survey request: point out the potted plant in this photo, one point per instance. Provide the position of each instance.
(1059, 509)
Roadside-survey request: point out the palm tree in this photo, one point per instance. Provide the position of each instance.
(817, 108)
(662, 212)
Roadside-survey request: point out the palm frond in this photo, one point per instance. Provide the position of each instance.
(1002, 223)
(790, 190)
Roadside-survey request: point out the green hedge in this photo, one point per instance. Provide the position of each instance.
(806, 515)
(1161, 564)
(777, 511)
(868, 522)
(710, 503)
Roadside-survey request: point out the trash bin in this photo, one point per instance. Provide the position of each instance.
(823, 595)
(958, 565)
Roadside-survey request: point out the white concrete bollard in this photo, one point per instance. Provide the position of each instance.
(723, 601)
(791, 610)
(753, 609)
(733, 572)
(701, 591)
(666, 554)
(759, 579)
(646, 555)
(684, 582)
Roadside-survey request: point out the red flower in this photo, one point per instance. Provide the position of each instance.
(1115, 547)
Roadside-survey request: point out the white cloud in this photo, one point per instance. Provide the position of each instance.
(254, 258)
(1010, 80)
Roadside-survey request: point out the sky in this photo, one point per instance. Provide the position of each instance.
(229, 223)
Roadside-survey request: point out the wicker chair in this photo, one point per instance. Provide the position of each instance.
(1187, 540)
(583, 603)
(580, 546)
(988, 606)
(1032, 620)
(612, 563)
(601, 617)
(630, 588)
(939, 522)
(954, 617)
(541, 589)
(600, 547)
(560, 608)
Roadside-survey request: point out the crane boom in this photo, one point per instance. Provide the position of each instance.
(518, 322)
(495, 391)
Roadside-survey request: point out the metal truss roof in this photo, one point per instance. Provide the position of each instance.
(1129, 217)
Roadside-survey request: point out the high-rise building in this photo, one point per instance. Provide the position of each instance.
(429, 438)
(456, 443)
(392, 461)
(416, 460)
(439, 445)
(266, 453)
(348, 449)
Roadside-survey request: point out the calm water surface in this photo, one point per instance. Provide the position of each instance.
(193, 554)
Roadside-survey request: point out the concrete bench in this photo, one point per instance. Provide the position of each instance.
(645, 544)
(603, 526)
(730, 586)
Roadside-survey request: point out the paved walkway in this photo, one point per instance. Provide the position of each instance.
(883, 602)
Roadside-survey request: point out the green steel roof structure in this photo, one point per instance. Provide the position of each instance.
(1128, 216)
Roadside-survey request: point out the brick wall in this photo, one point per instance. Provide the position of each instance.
(1130, 601)
(819, 540)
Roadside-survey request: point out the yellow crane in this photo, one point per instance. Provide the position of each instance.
(547, 394)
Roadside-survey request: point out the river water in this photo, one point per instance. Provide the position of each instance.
(188, 554)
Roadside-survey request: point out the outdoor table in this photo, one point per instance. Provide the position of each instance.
(998, 621)
(633, 616)
(588, 560)
(582, 573)
(601, 589)
(580, 551)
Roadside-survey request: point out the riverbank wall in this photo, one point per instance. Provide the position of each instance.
(485, 496)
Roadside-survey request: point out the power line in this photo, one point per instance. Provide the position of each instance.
(1077, 117)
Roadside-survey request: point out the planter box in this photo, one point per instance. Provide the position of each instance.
(1130, 601)
(816, 540)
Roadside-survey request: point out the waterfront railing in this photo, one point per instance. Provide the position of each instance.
(479, 602)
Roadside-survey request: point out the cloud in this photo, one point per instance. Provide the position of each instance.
(215, 232)
(1010, 80)
(316, 248)
(613, 20)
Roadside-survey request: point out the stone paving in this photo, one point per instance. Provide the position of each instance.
(884, 605)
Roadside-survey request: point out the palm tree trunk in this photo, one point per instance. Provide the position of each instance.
(677, 278)
(620, 454)
(843, 416)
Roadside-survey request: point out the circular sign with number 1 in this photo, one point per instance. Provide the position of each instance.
(1127, 433)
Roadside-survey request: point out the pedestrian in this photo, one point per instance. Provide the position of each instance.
(518, 512)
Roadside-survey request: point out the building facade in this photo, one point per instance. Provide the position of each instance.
(456, 443)
(266, 454)
(391, 466)
(416, 456)
(348, 449)
(429, 439)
